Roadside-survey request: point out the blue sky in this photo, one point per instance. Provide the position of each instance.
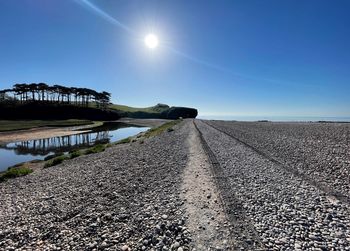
(247, 57)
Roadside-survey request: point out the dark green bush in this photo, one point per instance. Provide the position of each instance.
(55, 161)
(75, 154)
(15, 172)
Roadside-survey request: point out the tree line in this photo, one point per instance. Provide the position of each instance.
(59, 94)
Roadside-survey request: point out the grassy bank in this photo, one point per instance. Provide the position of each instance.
(11, 125)
(153, 109)
(160, 129)
(74, 154)
(15, 172)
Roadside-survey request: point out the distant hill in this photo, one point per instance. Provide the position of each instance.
(158, 111)
(49, 111)
(153, 109)
(53, 111)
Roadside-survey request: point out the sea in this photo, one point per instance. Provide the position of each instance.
(278, 118)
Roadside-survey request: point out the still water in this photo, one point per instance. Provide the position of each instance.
(17, 152)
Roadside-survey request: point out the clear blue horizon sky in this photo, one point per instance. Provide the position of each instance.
(234, 57)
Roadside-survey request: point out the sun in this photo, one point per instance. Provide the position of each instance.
(151, 41)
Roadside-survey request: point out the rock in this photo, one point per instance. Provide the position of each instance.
(125, 248)
(176, 245)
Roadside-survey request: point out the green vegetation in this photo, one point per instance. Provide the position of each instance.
(14, 172)
(43, 101)
(55, 161)
(165, 127)
(53, 156)
(44, 93)
(151, 132)
(11, 125)
(96, 149)
(159, 108)
(124, 141)
(160, 111)
(75, 154)
(59, 158)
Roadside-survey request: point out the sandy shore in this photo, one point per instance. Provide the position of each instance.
(48, 132)
(37, 133)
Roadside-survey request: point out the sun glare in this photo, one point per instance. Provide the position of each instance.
(151, 41)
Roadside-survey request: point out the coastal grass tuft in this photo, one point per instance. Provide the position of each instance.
(96, 149)
(165, 127)
(75, 154)
(14, 172)
(151, 132)
(56, 161)
(123, 141)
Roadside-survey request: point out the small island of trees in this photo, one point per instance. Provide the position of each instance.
(58, 94)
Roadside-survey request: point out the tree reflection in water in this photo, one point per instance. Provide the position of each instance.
(17, 152)
(58, 144)
(43, 147)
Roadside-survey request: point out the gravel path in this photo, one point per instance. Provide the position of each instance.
(280, 210)
(124, 198)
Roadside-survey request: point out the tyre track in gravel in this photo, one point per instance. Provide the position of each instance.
(284, 211)
(207, 219)
(243, 234)
(333, 194)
